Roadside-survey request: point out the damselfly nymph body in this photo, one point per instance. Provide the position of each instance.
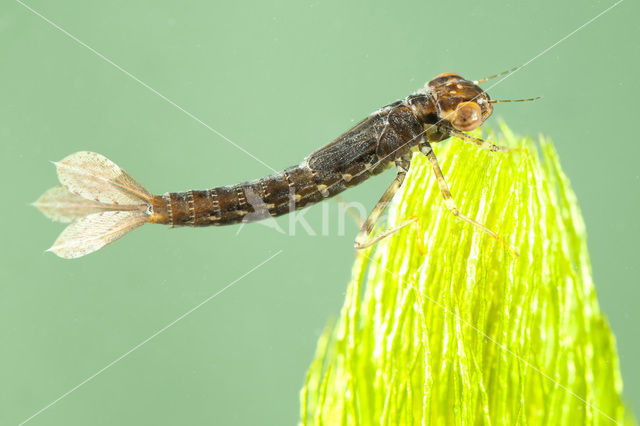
(104, 202)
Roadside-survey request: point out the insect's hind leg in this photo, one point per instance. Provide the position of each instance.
(426, 149)
(362, 240)
(349, 209)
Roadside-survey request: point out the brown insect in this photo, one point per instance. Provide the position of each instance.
(104, 202)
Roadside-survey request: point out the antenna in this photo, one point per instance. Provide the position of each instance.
(497, 101)
(482, 80)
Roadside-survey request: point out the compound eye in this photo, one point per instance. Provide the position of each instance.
(447, 74)
(468, 116)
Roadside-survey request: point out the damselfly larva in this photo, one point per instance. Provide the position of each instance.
(104, 202)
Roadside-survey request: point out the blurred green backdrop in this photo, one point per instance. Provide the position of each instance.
(279, 79)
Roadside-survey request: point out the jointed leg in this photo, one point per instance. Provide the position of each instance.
(348, 209)
(368, 243)
(361, 240)
(480, 142)
(448, 199)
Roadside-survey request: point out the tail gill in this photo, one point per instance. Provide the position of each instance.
(102, 202)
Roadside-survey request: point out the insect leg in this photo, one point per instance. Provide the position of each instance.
(361, 242)
(425, 148)
(348, 209)
(480, 142)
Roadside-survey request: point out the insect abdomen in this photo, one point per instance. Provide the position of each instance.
(270, 196)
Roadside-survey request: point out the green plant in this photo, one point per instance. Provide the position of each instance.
(443, 325)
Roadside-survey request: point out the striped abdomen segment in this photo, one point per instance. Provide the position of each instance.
(273, 195)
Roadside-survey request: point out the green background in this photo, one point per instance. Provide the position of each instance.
(279, 79)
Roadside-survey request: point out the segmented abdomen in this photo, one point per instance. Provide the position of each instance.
(273, 195)
(359, 153)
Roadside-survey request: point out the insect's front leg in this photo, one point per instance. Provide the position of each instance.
(479, 142)
(449, 202)
(362, 240)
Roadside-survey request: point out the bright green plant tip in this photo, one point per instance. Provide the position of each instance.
(444, 325)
